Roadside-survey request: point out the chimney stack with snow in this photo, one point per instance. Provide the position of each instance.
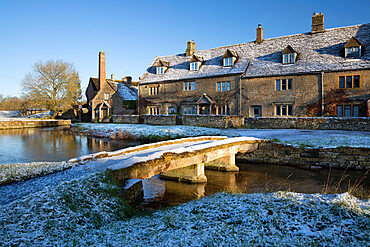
(102, 78)
(317, 23)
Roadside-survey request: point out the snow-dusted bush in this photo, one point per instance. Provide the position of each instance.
(10, 173)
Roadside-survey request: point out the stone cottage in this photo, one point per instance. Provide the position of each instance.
(321, 72)
(106, 97)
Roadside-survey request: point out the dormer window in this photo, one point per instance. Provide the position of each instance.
(195, 62)
(289, 55)
(161, 66)
(229, 58)
(194, 66)
(352, 48)
(160, 70)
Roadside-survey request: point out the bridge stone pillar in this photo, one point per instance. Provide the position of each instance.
(189, 174)
(225, 164)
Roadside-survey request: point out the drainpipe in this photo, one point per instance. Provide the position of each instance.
(322, 93)
(240, 96)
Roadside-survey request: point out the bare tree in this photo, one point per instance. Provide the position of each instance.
(54, 85)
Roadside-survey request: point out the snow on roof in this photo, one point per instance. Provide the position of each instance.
(316, 52)
(126, 92)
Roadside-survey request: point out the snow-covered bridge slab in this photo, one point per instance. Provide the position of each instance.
(183, 159)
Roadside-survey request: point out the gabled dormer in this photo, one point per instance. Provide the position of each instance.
(195, 62)
(229, 58)
(289, 55)
(161, 67)
(353, 48)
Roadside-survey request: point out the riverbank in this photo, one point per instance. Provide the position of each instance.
(88, 212)
(19, 123)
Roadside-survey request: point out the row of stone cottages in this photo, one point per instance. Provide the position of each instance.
(322, 72)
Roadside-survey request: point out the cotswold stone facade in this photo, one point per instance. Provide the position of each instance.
(322, 72)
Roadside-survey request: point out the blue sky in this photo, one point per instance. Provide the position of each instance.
(132, 33)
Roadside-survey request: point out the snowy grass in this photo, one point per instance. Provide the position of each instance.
(333, 142)
(150, 132)
(9, 114)
(88, 212)
(10, 173)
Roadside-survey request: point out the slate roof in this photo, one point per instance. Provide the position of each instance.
(317, 52)
(124, 91)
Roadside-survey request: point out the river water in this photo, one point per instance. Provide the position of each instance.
(27, 145)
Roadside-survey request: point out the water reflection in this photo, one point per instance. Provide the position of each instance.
(251, 178)
(51, 144)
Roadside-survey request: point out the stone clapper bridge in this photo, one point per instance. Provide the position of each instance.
(182, 159)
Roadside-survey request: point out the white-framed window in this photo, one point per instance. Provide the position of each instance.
(153, 110)
(348, 111)
(349, 81)
(223, 86)
(222, 110)
(160, 70)
(154, 90)
(190, 110)
(284, 110)
(228, 61)
(353, 51)
(289, 58)
(283, 84)
(194, 66)
(189, 85)
(106, 96)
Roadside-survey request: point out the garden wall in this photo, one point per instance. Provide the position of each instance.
(322, 123)
(341, 157)
(213, 121)
(126, 119)
(20, 124)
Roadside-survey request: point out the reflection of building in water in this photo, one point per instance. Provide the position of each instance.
(99, 145)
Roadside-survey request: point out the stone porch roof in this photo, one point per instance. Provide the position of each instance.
(316, 52)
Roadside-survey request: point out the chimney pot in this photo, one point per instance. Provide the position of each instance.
(259, 38)
(112, 77)
(190, 48)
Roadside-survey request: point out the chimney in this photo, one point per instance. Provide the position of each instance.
(112, 77)
(259, 38)
(190, 48)
(102, 77)
(317, 23)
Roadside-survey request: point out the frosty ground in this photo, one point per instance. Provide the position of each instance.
(297, 137)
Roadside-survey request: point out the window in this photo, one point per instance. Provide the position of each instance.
(353, 51)
(154, 90)
(223, 86)
(228, 61)
(284, 84)
(223, 110)
(171, 110)
(160, 70)
(190, 110)
(106, 96)
(284, 110)
(153, 110)
(289, 58)
(348, 111)
(349, 81)
(189, 86)
(194, 66)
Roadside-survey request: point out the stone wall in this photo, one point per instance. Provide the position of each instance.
(158, 119)
(126, 119)
(322, 123)
(19, 124)
(213, 121)
(280, 154)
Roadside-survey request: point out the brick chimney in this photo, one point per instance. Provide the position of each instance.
(317, 23)
(190, 48)
(112, 77)
(102, 78)
(259, 38)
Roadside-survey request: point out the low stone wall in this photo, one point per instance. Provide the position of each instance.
(126, 119)
(341, 157)
(322, 123)
(213, 121)
(158, 119)
(20, 124)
